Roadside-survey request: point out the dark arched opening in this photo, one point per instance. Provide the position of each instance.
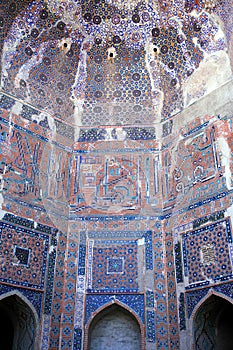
(17, 324)
(213, 325)
(6, 328)
(114, 328)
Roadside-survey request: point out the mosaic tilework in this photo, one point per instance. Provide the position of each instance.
(97, 103)
(178, 261)
(200, 208)
(34, 114)
(196, 164)
(65, 60)
(150, 317)
(70, 278)
(22, 222)
(133, 232)
(167, 127)
(24, 255)
(50, 281)
(149, 253)
(90, 263)
(149, 299)
(150, 326)
(133, 301)
(81, 278)
(115, 268)
(171, 290)
(6, 101)
(159, 283)
(182, 312)
(186, 207)
(111, 180)
(44, 230)
(28, 223)
(57, 303)
(212, 217)
(193, 298)
(130, 133)
(45, 332)
(206, 252)
(115, 265)
(77, 339)
(27, 168)
(81, 261)
(22, 179)
(118, 78)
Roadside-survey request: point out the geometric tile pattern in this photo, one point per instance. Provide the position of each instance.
(50, 282)
(69, 294)
(149, 251)
(150, 326)
(179, 269)
(115, 267)
(81, 261)
(182, 312)
(45, 332)
(171, 292)
(160, 287)
(150, 317)
(149, 299)
(158, 257)
(56, 67)
(77, 339)
(109, 183)
(84, 253)
(200, 165)
(139, 107)
(23, 256)
(58, 296)
(206, 252)
(133, 301)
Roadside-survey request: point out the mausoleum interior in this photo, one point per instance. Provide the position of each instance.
(116, 175)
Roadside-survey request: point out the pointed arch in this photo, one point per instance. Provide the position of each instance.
(96, 315)
(24, 299)
(17, 299)
(207, 296)
(207, 320)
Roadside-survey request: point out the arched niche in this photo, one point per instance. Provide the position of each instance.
(18, 323)
(213, 324)
(114, 327)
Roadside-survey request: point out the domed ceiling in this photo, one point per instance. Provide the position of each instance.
(114, 62)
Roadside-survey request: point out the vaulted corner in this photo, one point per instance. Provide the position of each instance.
(116, 174)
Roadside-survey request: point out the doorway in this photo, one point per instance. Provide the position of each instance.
(114, 328)
(213, 325)
(17, 324)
